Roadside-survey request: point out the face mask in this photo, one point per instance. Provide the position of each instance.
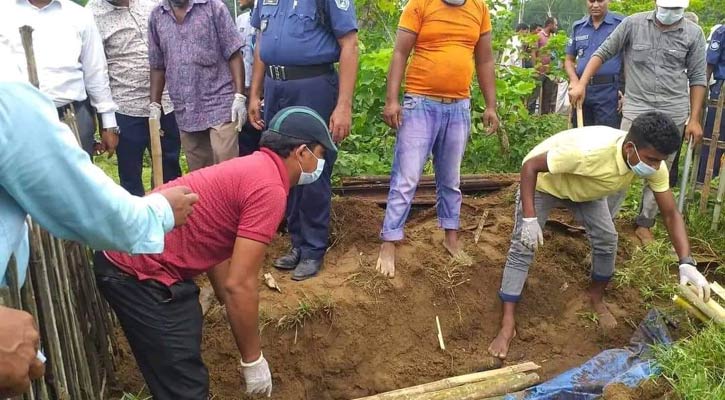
(455, 2)
(669, 16)
(308, 177)
(178, 3)
(641, 169)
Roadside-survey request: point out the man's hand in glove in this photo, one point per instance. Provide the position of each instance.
(257, 377)
(239, 110)
(531, 235)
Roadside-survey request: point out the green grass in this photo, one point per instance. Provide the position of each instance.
(696, 366)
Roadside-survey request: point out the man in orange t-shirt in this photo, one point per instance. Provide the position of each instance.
(450, 38)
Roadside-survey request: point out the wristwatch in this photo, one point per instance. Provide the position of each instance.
(688, 260)
(113, 130)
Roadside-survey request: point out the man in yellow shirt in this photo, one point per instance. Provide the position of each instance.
(451, 38)
(578, 169)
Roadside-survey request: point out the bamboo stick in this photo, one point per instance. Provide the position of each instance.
(712, 304)
(685, 176)
(440, 335)
(579, 116)
(155, 137)
(720, 194)
(705, 195)
(455, 381)
(692, 297)
(481, 390)
(26, 37)
(717, 289)
(683, 304)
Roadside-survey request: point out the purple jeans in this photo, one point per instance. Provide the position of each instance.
(429, 127)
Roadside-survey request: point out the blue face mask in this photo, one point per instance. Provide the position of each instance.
(641, 169)
(670, 16)
(308, 177)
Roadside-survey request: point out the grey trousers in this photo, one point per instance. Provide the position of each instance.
(597, 221)
(648, 209)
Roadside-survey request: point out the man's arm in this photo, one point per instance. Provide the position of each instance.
(95, 73)
(236, 65)
(58, 185)
(341, 117)
(673, 222)
(256, 91)
(404, 43)
(241, 296)
(697, 76)
(485, 73)
(158, 81)
(529, 174)
(570, 67)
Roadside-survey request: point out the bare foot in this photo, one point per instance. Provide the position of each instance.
(606, 319)
(499, 347)
(455, 249)
(644, 235)
(386, 259)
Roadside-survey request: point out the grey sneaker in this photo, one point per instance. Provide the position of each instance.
(288, 261)
(306, 269)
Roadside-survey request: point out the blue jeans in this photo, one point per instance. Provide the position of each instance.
(308, 206)
(429, 127)
(132, 144)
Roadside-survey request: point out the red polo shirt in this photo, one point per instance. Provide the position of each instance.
(244, 197)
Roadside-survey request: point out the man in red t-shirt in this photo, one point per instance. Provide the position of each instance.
(241, 203)
(542, 60)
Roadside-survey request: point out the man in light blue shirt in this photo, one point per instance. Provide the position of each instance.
(44, 173)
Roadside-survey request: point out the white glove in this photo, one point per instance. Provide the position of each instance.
(155, 111)
(531, 235)
(239, 110)
(257, 377)
(689, 273)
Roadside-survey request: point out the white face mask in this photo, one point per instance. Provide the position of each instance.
(670, 16)
(455, 2)
(308, 177)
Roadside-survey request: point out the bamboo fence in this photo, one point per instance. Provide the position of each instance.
(75, 324)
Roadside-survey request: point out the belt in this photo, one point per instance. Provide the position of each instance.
(604, 80)
(291, 73)
(444, 100)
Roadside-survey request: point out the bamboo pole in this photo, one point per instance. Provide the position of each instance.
(454, 381)
(692, 297)
(26, 36)
(480, 390)
(717, 289)
(705, 195)
(720, 194)
(579, 116)
(685, 176)
(683, 304)
(155, 138)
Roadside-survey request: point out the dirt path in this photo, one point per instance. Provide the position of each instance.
(350, 333)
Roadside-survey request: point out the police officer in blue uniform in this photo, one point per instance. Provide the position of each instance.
(298, 44)
(601, 106)
(716, 68)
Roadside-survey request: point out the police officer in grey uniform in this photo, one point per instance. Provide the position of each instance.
(298, 44)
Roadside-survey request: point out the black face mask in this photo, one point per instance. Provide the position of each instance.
(455, 2)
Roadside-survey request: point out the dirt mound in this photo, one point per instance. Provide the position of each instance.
(350, 333)
(648, 390)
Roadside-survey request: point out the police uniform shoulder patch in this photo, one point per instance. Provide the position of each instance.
(343, 4)
(571, 41)
(715, 45)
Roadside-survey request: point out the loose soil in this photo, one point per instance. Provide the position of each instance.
(350, 333)
(658, 389)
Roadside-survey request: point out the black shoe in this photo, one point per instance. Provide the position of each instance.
(288, 261)
(306, 269)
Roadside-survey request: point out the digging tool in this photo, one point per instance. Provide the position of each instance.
(155, 139)
(579, 116)
(685, 176)
(454, 382)
(26, 36)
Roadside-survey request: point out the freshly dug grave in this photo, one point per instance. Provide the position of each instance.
(350, 333)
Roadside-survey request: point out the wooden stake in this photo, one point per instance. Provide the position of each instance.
(479, 228)
(717, 289)
(579, 116)
(683, 304)
(705, 195)
(440, 335)
(455, 381)
(26, 36)
(481, 390)
(155, 138)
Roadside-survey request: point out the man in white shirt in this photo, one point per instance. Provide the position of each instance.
(123, 26)
(70, 62)
(249, 137)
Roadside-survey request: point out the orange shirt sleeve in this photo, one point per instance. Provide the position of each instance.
(412, 17)
(486, 20)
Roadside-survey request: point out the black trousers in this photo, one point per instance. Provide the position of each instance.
(163, 326)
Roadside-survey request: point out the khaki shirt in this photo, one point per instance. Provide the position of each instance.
(659, 64)
(124, 31)
(587, 164)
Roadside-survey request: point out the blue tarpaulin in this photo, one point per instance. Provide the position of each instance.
(630, 366)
